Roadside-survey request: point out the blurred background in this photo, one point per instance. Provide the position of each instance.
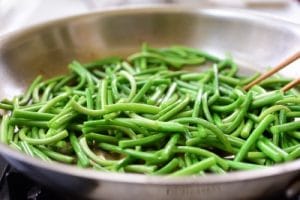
(15, 14)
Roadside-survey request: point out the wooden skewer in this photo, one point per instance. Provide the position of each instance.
(291, 85)
(281, 65)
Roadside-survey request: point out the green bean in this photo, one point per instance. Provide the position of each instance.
(272, 109)
(233, 69)
(156, 95)
(243, 165)
(157, 125)
(63, 82)
(282, 153)
(5, 106)
(150, 157)
(187, 113)
(127, 160)
(115, 122)
(256, 154)
(169, 102)
(150, 71)
(215, 85)
(111, 148)
(290, 126)
(202, 152)
(89, 99)
(168, 149)
(10, 133)
(167, 108)
(232, 116)
(293, 114)
(127, 67)
(38, 153)
(28, 94)
(187, 159)
(36, 92)
(266, 99)
(294, 134)
(197, 103)
(103, 93)
(35, 132)
(271, 81)
(294, 154)
(142, 91)
(229, 80)
(235, 123)
(291, 148)
(49, 140)
(62, 120)
(57, 156)
(168, 168)
(219, 134)
(102, 62)
(216, 169)
(135, 107)
(80, 71)
(199, 53)
(206, 108)
(15, 146)
(114, 88)
(47, 91)
(26, 148)
(238, 130)
(82, 158)
(192, 76)
(275, 156)
(140, 169)
(26, 122)
(32, 115)
(170, 61)
(4, 129)
(175, 110)
(257, 132)
(156, 81)
(229, 107)
(289, 100)
(294, 108)
(141, 141)
(52, 102)
(132, 84)
(16, 102)
(224, 100)
(247, 128)
(93, 156)
(195, 168)
(279, 135)
(101, 138)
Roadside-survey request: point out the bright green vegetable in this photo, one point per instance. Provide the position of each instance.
(147, 114)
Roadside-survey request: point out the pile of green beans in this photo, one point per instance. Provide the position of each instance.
(147, 114)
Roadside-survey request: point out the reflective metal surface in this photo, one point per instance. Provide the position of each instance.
(46, 49)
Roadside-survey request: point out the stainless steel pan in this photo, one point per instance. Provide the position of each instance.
(47, 48)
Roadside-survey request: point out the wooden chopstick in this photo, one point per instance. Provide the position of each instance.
(280, 66)
(290, 85)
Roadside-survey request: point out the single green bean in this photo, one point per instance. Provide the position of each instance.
(195, 168)
(257, 132)
(168, 168)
